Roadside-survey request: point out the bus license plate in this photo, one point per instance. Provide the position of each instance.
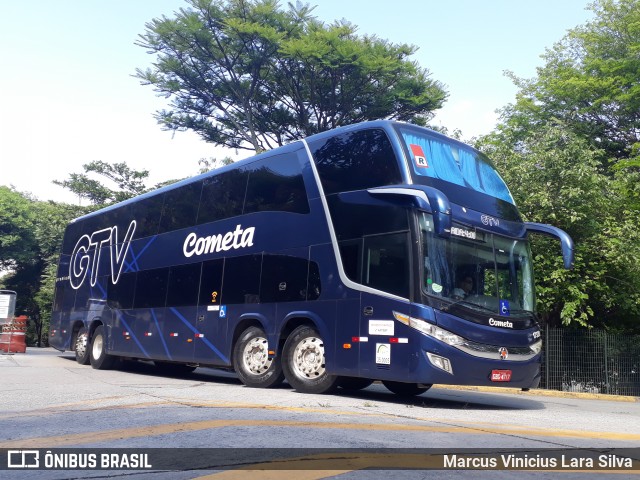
(500, 375)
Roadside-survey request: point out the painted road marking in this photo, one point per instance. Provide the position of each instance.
(163, 429)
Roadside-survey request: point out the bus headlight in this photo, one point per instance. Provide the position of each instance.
(430, 330)
(536, 348)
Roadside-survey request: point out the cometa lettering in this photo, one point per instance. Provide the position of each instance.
(239, 238)
(500, 323)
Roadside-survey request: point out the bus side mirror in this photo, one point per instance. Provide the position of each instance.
(425, 198)
(565, 240)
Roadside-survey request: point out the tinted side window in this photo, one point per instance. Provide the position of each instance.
(242, 279)
(355, 221)
(65, 297)
(275, 184)
(180, 208)
(355, 161)
(351, 253)
(146, 213)
(184, 283)
(121, 294)
(211, 283)
(223, 196)
(314, 285)
(151, 288)
(284, 278)
(386, 263)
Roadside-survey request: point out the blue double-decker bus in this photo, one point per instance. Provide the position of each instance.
(378, 251)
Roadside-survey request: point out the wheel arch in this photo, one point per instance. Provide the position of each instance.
(296, 319)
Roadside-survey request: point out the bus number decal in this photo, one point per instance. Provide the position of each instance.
(383, 353)
(86, 254)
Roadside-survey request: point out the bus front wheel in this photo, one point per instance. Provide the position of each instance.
(98, 355)
(252, 362)
(82, 346)
(304, 362)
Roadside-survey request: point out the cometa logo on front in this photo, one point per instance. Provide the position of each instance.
(239, 238)
(500, 323)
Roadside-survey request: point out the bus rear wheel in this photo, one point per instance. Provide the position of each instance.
(304, 362)
(81, 346)
(98, 355)
(252, 362)
(405, 389)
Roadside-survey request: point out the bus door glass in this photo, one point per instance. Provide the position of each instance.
(385, 267)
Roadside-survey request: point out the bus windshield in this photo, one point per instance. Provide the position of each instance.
(433, 157)
(479, 270)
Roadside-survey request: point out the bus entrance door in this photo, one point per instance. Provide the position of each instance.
(385, 350)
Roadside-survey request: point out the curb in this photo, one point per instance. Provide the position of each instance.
(543, 393)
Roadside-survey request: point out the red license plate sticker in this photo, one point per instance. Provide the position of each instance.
(500, 375)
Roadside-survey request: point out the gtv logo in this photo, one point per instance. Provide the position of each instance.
(86, 254)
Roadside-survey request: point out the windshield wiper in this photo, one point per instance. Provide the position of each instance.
(471, 305)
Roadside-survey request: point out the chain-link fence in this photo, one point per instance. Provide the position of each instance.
(591, 361)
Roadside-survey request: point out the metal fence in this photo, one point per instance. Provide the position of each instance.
(591, 361)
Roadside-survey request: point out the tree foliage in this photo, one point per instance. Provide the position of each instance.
(17, 220)
(127, 182)
(247, 74)
(590, 82)
(568, 148)
(556, 178)
(30, 237)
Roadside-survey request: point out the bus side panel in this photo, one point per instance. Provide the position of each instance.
(338, 308)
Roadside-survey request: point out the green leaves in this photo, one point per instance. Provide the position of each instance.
(128, 182)
(568, 149)
(246, 74)
(590, 81)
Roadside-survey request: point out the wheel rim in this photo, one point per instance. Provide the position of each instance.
(255, 356)
(81, 345)
(308, 358)
(97, 346)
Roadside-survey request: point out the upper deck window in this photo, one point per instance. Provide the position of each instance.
(452, 162)
(355, 161)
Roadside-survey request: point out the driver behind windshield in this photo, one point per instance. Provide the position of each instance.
(464, 288)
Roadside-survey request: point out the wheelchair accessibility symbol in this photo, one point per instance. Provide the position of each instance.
(504, 307)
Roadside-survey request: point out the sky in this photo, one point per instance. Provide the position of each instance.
(68, 95)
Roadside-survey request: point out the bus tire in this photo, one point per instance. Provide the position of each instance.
(354, 383)
(405, 389)
(304, 362)
(252, 363)
(81, 346)
(98, 355)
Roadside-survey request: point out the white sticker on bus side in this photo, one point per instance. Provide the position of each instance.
(383, 353)
(381, 327)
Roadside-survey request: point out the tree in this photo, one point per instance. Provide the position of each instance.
(30, 238)
(555, 177)
(128, 182)
(590, 82)
(211, 163)
(569, 149)
(17, 224)
(246, 74)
